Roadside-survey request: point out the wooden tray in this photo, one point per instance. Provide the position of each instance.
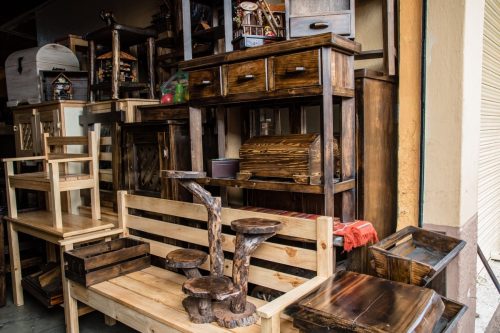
(453, 311)
(103, 261)
(413, 255)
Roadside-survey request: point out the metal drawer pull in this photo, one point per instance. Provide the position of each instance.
(319, 25)
(246, 77)
(204, 83)
(297, 70)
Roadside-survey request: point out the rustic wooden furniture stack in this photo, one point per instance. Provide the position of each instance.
(52, 226)
(151, 299)
(317, 68)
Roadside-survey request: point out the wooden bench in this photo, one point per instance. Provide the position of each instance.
(150, 300)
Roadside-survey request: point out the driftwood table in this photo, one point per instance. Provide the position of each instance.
(353, 302)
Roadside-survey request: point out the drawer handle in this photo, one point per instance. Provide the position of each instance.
(296, 70)
(246, 77)
(203, 83)
(319, 25)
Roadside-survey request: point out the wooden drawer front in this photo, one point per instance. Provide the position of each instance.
(296, 70)
(246, 77)
(313, 25)
(204, 83)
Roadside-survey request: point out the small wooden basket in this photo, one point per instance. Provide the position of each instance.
(413, 255)
(92, 264)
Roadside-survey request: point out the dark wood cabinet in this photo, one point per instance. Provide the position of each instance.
(151, 147)
(376, 158)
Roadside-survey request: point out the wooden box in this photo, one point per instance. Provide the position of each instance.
(413, 255)
(92, 264)
(294, 156)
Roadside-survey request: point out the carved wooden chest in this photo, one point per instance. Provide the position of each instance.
(294, 156)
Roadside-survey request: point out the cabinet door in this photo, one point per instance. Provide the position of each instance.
(25, 132)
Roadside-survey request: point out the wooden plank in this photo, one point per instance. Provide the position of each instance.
(258, 275)
(11, 192)
(15, 265)
(389, 27)
(292, 226)
(55, 193)
(324, 244)
(105, 156)
(348, 142)
(105, 141)
(287, 255)
(195, 131)
(72, 225)
(66, 140)
(70, 304)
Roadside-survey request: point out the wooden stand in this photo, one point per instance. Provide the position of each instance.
(250, 233)
(188, 260)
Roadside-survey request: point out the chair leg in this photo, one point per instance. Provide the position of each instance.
(70, 303)
(15, 265)
(55, 193)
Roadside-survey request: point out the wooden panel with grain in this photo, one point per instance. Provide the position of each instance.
(204, 83)
(296, 70)
(295, 156)
(246, 77)
(342, 73)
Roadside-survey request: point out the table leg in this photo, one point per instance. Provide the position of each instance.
(70, 304)
(15, 265)
(2, 265)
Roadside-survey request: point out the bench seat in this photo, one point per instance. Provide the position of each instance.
(150, 300)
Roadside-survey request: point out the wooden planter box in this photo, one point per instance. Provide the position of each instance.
(103, 261)
(413, 255)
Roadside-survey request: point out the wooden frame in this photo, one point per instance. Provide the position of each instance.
(137, 309)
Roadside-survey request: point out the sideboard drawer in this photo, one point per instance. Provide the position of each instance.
(297, 70)
(246, 77)
(204, 83)
(339, 24)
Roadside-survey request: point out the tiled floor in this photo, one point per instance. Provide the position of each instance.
(488, 298)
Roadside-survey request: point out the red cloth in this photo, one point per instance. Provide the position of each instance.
(356, 234)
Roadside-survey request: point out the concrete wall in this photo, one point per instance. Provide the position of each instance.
(453, 102)
(60, 17)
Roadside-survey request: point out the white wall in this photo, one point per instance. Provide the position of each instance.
(63, 17)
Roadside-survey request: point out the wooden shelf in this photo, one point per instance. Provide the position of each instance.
(276, 185)
(73, 225)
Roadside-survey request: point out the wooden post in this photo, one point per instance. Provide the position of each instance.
(327, 119)
(186, 29)
(348, 115)
(151, 66)
(95, 201)
(55, 195)
(70, 304)
(195, 131)
(228, 25)
(2, 265)
(11, 192)
(389, 37)
(115, 72)
(15, 265)
(91, 69)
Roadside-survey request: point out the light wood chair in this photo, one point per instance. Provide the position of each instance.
(58, 174)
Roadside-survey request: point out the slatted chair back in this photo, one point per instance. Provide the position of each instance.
(277, 264)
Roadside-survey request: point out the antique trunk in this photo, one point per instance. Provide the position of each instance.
(92, 264)
(294, 156)
(22, 70)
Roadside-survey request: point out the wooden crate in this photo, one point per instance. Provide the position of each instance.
(413, 255)
(103, 261)
(295, 156)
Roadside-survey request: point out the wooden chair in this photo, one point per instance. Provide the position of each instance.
(58, 175)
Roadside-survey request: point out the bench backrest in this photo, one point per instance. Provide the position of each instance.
(268, 271)
(56, 147)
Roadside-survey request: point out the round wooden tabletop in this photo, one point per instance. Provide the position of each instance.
(218, 288)
(183, 174)
(185, 258)
(256, 226)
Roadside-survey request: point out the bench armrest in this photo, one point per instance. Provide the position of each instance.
(90, 236)
(73, 159)
(22, 159)
(279, 304)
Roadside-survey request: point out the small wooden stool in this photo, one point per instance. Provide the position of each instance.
(188, 260)
(201, 291)
(250, 233)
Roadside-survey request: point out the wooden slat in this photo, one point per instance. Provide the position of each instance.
(283, 254)
(67, 140)
(106, 141)
(103, 156)
(258, 275)
(106, 175)
(292, 226)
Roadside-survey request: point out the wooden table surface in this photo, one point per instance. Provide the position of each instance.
(353, 302)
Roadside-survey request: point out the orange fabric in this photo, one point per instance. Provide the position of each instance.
(356, 234)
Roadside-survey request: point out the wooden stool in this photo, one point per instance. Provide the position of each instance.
(201, 291)
(250, 233)
(188, 260)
